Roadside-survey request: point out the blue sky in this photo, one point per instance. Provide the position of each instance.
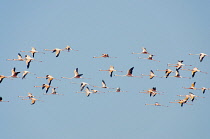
(168, 29)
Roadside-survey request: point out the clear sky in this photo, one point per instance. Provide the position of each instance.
(168, 29)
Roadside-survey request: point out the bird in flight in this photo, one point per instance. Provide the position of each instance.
(76, 75)
(144, 51)
(111, 70)
(151, 75)
(191, 87)
(46, 86)
(118, 90)
(179, 64)
(28, 60)
(1, 100)
(129, 73)
(150, 57)
(201, 56)
(56, 51)
(33, 51)
(157, 104)
(14, 73)
(54, 92)
(20, 58)
(181, 102)
(68, 48)
(25, 73)
(49, 78)
(103, 85)
(104, 55)
(177, 75)
(194, 70)
(2, 78)
(167, 72)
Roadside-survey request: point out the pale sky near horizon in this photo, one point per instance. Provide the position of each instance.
(168, 29)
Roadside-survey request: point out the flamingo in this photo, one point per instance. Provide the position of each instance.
(28, 60)
(30, 95)
(157, 104)
(194, 70)
(151, 92)
(181, 102)
(1, 100)
(49, 78)
(111, 70)
(54, 92)
(103, 85)
(191, 87)
(76, 75)
(167, 72)
(118, 90)
(151, 75)
(2, 78)
(191, 96)
(129, 73)
(150, 58)
(144, 51)
(68, 48)
(56, 51)
(33, 51)
(177, 75)
(203, 89)
(46, 86)
(20, 58)
(14, 73)
(87, 91)
(104, 55)
(33, 100)
(201, 56)
(25, 73)
(178, 65)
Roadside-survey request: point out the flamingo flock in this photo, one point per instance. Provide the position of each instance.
(89, 89)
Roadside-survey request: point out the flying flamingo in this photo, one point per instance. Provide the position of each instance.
(144, 51)
(191, 96)
(167, 72)
(151, 75)
(54, 92)
(118, 90)
(177, 75)
(49, 78)
(129, 73)
(33, 100)
(201, 56)
(157, 104)
(191, 87)
(2, 78)
(194, 70)
(104, 55)
(25, 73)
(150, 58)
(87, 91)
(103, 85)
(68, 48)
(30, 95)
(28, 60)
(151, 92)
(203, 89)
(1, 100)
(56, 51)
(20, 58)
(179, 64)
(181, 102)
(111, 70)
(14, 73)
(46, 86)
(33, 51)
(76, 75)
